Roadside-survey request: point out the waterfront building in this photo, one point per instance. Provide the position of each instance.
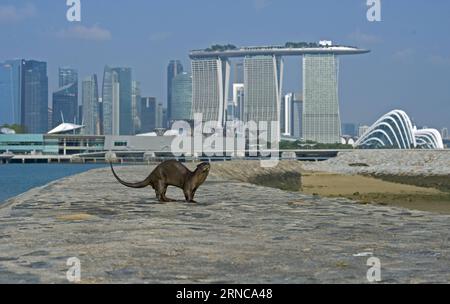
(173, 69)
(263, 71)
(181, 105)
(395, 130)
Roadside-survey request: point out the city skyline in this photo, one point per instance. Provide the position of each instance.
(395, 75)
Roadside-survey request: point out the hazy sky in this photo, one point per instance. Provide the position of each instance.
(409, 67)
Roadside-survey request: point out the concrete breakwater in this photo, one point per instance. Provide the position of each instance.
(387, 162)
(237, 233)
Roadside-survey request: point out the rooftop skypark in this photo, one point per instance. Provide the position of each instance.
(288, 49)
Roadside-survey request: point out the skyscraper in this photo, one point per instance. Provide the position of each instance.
(286, 114)
(35, 97)
(67, 76)
(65, 105)
(116, 101)
(109, 96)
(136, 105)
(80, 113)
(91, 105)
(238, 100)
(159, 118)
(238, 73)
(210, 81)
(11, 92)
(296, 116)
(110, 102)
(65, 99)
(263, 85)
(181, 97)
(148, 114)
(349, 129)
(173, 69)
(321, 121)
(125, 92)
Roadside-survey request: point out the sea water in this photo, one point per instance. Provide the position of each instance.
(19, 178)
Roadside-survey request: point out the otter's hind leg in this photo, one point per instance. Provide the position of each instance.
(160, 190)
(164, 197)
(159, 187)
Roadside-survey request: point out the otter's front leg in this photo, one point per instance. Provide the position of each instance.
(189, 195)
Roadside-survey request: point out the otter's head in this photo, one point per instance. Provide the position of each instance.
(202, 171)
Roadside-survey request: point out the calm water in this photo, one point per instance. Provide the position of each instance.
(18, 178)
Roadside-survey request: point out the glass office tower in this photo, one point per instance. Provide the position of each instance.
(35, 97)
(91, 105)
(117, 101)
(182, 97)
(148, 114)
(11, 92)
(173, 69)
(65, 104)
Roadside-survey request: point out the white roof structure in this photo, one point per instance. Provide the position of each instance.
(395, 130)
(153, 134)
(65, 128)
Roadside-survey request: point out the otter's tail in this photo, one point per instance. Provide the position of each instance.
(138, 185)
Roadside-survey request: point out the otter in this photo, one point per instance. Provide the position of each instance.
(172, 173)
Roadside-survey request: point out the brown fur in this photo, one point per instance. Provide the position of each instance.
(172, 173)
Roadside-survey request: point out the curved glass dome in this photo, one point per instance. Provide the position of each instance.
(395, 130)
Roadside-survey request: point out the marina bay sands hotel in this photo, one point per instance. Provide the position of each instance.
(263, 82)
